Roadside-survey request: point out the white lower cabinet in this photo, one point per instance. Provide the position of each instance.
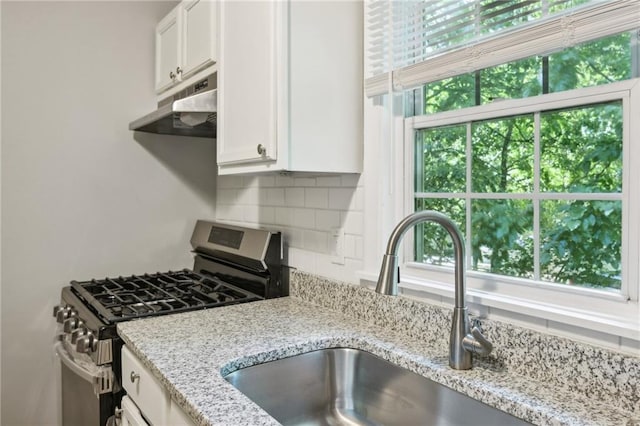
(131, 415)
(147, 401)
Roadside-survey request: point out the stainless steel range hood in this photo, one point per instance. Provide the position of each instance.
(191, 112)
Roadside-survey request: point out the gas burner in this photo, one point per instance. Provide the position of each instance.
(136, 296)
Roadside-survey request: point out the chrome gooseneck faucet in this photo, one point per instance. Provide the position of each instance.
(464, 339)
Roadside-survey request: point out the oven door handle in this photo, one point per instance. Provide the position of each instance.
(71, 364)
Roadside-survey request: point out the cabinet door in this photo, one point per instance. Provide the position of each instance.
(247, 82)
(199, 35)
(131, 415)
(144, 389)
(168, 39)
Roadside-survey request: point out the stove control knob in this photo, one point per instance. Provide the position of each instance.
(71, 324)
(85, 344)
(64, 313)
(77, 333)
(56, 309)
(59, 310)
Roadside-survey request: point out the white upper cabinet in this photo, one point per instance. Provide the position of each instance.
(168, 38)
(290, 87)
(185, 42)
(248, 75)
(199, 35)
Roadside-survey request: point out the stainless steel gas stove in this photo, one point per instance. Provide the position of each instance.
(231, 265)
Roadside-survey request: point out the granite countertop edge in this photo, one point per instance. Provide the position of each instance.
(192, 369)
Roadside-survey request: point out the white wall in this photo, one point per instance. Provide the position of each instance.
(82, 196)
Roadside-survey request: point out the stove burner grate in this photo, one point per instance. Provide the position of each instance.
(123, 298)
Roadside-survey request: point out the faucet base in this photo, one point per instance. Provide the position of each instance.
(459, 357)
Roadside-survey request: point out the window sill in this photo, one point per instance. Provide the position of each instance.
(624, 323)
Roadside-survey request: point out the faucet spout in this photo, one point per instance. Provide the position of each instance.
(462, 341)
(388, 279)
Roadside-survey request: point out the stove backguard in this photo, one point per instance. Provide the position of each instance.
(250, 259)
(267, 284)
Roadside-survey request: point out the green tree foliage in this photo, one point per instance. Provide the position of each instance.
(580, 153)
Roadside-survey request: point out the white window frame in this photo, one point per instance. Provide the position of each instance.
(614, 311)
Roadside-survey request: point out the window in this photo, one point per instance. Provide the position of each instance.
(522, 133)
(538, 194)
(541, 188)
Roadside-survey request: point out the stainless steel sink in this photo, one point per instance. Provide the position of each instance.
(353, 387)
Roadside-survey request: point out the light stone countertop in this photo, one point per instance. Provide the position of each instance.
(190, 352)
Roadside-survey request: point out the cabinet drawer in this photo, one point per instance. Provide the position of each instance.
(147, 391)
(131, 414)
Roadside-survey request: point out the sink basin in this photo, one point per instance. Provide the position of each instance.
(353, 387)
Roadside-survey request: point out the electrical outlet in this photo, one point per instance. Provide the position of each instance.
(336, 245)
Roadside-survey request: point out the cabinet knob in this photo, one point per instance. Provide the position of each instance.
(172, 76)
(178, 70)
(134, 377)
(261, 149)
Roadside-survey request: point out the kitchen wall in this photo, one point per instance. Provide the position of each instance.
(307, 209)
(82, 196)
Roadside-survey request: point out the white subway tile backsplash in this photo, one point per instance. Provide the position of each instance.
(275, 196)
(353, 246)
(353, 266)
(343, 273)
(327, 219)
(328, 181)
(250, 181)
(284, 181)
(315, 241)
(226, 182)
(349, 246)
(266, 181)
(306, 181)
(249, 196)
(230, 212)
(284, 216)
(293, 238)
(357, 201)
(266, 216)
(294, 197)
(306, 209)
(340, 198)
(304, 218)
(316, 198)
(353, 223)
(251, 214)
(350, 180)
(227, 196)
(302, 259)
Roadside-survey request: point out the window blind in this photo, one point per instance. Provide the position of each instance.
(412, 42)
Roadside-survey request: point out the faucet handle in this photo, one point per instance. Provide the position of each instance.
(476, 332)
(476, 342)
